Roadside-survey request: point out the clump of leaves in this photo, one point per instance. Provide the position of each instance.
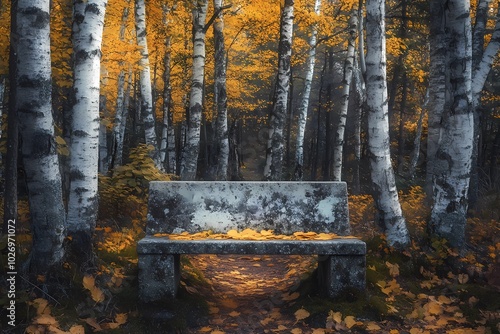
(124, 194)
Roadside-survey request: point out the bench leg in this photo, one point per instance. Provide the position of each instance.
(341, 273)
(159, 276)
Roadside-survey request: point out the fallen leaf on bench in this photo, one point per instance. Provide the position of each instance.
(234, 314)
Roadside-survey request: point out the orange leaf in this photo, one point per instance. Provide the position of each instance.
(301, 314)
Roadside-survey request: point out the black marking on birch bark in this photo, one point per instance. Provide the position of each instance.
(92, 8)
(42, 18)
(80, 133)
(76, 175)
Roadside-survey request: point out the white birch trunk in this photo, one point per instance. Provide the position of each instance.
(483, 67)
(117, 143)
(479, 31)
(275, 149)
(220, 96)
(453, 157)
(117, 138)
(36, 127)
(361, 98)
(88, 23)
(167, 126)
(304, 102)
(147, 115)
(338, 148)
(192, 147)
(436, 88)
(382, 173)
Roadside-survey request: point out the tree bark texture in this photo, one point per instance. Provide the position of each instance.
(304, 101)
(382, 173)
(453, 156)
(36, 126)
(220, 96)
(120, 115)
(338, 148)
(147, 114)
(275, 145)
(436, 87)
(191, 150)
(88, 23)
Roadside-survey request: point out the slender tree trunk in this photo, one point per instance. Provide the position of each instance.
(481, 62)
(220, 97)
(338, 148)
(477, 52)
(147, 114)
(36, 126)
(384, 184)
(117, 142)
(453, 157)
(167, 127)
(361, 97)
(191, 149)
(304, 102)
(275, 149)
(88, 23)
(416, 142)
(10, 174)
(436, 88)
(167, 145)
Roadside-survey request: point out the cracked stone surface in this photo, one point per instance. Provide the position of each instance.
(284, 207)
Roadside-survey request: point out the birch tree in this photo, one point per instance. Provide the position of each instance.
(338, 147)
(121, 109)
(189, 163)
(382, 174)
(167, 145)
(88, 22)
(454, 155)
(36, 127)
(306, 94)
(220, 96)
(145, 81)
(436, 87)
(275, 149)
(482, 60)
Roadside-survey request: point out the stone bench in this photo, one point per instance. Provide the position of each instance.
(285, 207)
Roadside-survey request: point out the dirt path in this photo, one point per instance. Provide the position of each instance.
(251, 294)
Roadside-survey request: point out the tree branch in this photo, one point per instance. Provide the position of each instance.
(214, 16)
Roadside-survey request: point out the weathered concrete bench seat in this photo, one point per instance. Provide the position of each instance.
(285, 207)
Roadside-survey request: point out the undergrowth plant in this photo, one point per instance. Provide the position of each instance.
(124, 194)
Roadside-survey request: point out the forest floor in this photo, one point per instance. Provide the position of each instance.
(427, 288)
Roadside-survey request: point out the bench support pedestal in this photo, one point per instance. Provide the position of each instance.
(159, 276)
(339, 274)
